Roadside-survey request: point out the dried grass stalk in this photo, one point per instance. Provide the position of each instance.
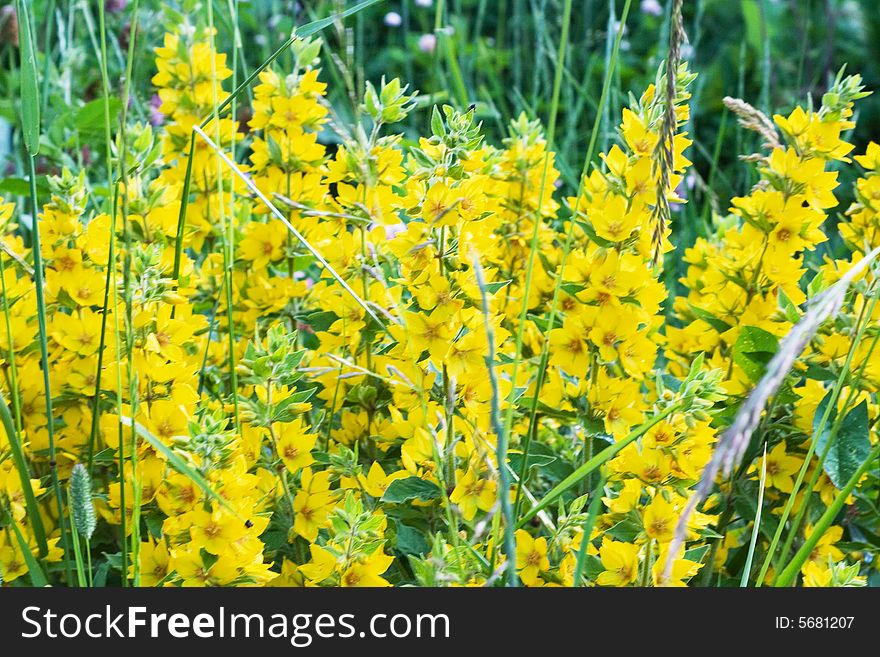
(753, 119)
(664, 153)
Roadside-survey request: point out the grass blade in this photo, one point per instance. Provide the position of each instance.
(744, 581)
(30, 92)
(589, 523)
(605, 455)
(33, 510)
(179, 464)
(38, 578)
(500, 435)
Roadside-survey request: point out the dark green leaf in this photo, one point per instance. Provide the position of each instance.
(849, 448)
(410, 540)
(411, 488)
(753, 350)
(534, 461)
(90, 117)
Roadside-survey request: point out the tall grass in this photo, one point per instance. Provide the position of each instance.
(566, 250)
(30, 121)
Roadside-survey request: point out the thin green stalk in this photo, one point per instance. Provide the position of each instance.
(589, 523)
(44, 362)
(602, 457)
(534, 245)
(647, 564)
(228, 228)
(14, 431)
(132, 378)
(569, 238)
(30, 111)
(756, 528)
(835, 428)
(111, 249)
(509, 543)
(77, 552)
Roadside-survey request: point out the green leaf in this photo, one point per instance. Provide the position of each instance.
(411, 488)
(819, 373)
(534, 461)
(592, 567)
(697, 553)
(719, 325)
(849, 448)
(753, 350)
(90, 117)
(497, 285)
(30, 92)
(787, 306)
(410, 540)
(628, 529)
(21, 187)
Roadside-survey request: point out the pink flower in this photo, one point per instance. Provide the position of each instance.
(427, 43)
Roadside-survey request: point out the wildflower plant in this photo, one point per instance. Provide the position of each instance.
(291, 347)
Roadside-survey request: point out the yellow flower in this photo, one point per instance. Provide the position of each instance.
(825, 548)
(294, 445)
(641, 140)
(263, 243)
(312, 503)
(367, 572)
(79, 332)
(531, 557)
(215, 531)
(429, 333)
(322, 565)
(192, 570)
(86, 288)
(780, 468)
(621, 563)
(154, 560)
(376, 482)
(816, 575)
(568, 349)
(659, 519)
(613, 222)
(473, 492)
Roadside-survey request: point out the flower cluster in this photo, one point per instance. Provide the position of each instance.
(291, 350)
(745, 289)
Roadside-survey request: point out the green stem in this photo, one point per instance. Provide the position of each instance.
(605, 455)
(509, 543)
(44, 362)
(589, 523)
(569, 238)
